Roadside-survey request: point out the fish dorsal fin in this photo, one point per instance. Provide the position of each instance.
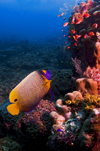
(13, 109)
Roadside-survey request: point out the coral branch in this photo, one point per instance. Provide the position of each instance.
(77, 64)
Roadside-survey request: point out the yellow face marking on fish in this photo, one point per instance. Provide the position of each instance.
(13, 97)
(13, 109)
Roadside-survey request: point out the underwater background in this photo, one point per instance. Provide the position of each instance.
(30, 19)
(31, 39)
(62, 37)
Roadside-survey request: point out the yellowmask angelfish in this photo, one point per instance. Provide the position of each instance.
(27, 94)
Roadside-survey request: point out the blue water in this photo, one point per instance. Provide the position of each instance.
(30, 19)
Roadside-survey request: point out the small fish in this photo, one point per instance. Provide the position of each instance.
(86, 36)
(73, 20)
(64, 35)
(62, 61)
(68, 47)
(60, 15)
(76, 37)
(65, 24)
(86, 15)
(75, 44)
(95, 25)
(91, 33)
(59, 38)
(73, 31)
(69, 36)
(66, 42)
(79, 21)
(74, 7)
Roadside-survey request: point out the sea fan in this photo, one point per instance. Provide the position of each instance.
(77, 64)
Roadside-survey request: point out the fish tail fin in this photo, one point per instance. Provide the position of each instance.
(13, 109)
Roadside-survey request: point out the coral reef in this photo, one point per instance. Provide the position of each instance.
(73, 121)
(76, 121)
(36, 122)
(85, 34)
(87, 85)
(27, 129)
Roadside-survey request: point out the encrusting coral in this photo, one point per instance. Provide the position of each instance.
(87, 85)
(36, 122)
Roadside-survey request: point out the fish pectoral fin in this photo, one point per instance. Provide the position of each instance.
(46, 82)
(13, 109)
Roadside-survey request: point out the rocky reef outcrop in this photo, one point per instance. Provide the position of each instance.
(75, 123)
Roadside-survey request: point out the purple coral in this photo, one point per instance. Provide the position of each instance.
(77, 64)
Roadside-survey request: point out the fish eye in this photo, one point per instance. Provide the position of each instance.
(15, 100)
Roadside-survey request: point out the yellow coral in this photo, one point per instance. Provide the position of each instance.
(89, 102)
(68, 102)
(89, 108)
